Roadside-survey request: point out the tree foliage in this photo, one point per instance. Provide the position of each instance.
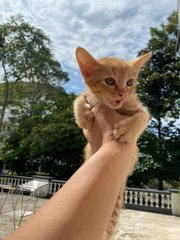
(41, 133)
(159, 88)
(48, 140)
(25, 55)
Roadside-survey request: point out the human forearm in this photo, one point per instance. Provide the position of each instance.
(81, 209)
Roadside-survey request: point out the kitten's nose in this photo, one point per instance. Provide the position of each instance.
(123, 95)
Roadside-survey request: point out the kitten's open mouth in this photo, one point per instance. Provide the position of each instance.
(116, 104)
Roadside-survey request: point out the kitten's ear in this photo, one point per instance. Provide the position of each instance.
(140, 61)
(86, 62)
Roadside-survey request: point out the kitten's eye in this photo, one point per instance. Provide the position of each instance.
(130, 82)
(110, 81)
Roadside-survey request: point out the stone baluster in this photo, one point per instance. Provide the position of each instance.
(168, 202)
(125, 196)
(151, 199)
(163, 201)
(141, 199)
(146, 199)
(136, 197)
(156, 200)
(130, 197)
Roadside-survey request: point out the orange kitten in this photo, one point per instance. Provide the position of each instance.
(111, 82)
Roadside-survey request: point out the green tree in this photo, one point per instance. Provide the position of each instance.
(159, 88)
(25, 55)
(48, 139)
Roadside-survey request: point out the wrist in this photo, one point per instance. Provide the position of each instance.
(113, 147)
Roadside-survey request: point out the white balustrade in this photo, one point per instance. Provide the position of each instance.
(55, 185)
(147, 199)
(133, 197)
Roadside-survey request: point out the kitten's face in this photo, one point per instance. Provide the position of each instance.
(111, 80)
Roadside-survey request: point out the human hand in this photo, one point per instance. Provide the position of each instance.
(101, 131)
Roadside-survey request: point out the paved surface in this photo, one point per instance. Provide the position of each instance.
(133, 225)
(15, 209)
(137, 225)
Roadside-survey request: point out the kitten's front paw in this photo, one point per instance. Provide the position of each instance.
(86, 118)
(124, 132)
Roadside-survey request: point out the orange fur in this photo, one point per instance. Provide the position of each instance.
(107, 82)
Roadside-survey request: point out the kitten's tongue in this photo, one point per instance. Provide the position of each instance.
(117, 103)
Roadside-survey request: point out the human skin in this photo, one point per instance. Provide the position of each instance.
(80, 210)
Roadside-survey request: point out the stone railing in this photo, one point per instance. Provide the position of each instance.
(13, 180)
(134, 198)
(148, 200)
(55, 185)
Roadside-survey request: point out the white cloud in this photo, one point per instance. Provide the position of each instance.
(104, 27)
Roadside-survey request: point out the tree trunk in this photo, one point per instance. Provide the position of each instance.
(160, 187)
(159, 126)
(6, 96)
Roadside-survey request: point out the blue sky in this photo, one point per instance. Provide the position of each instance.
(104, 27)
